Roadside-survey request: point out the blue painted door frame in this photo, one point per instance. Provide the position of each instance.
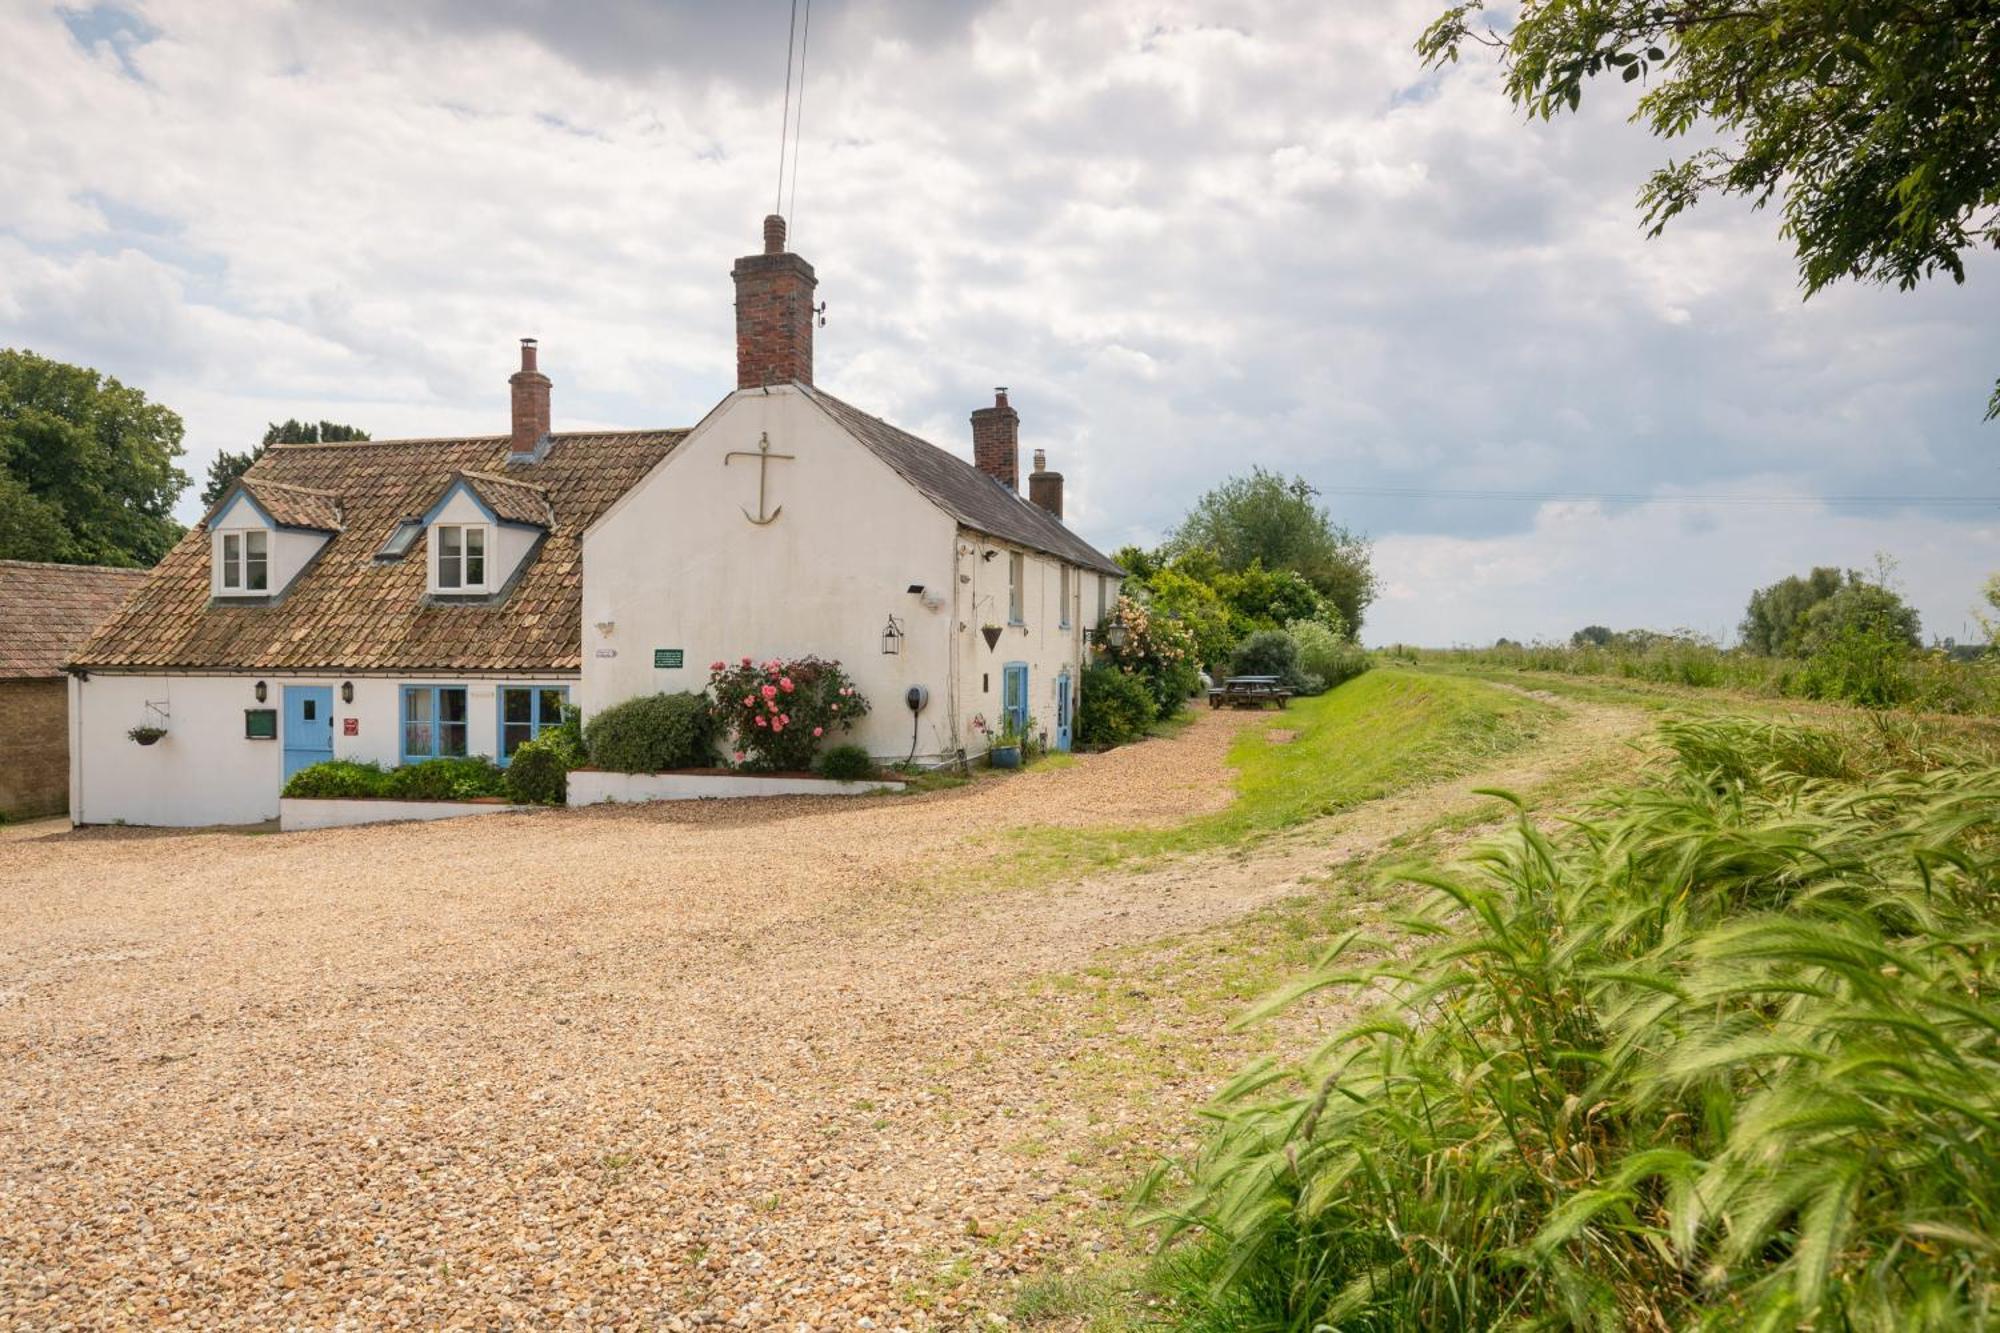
(1014, 695)
(1065, 703)
(308, 726)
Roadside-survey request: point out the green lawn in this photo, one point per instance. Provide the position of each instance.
(1383, 732)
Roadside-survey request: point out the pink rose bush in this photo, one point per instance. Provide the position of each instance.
(778, 712)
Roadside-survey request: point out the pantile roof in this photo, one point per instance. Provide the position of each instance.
(962, 490)
(295, 506)
(348, 611)
(47, 610)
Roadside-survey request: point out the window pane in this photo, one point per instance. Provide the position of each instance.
(257, 544)
(448, 557)
(256, 574)
(513, 736)
(416, 722)
(515, 705)
(475, 541)
(475, 557)
(449, 540)
(1016, 563)
(232, 556)
(451, 705)
(552, 706)
(451, 739)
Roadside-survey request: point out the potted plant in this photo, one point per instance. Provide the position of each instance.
(1006, 751)
(146, 733)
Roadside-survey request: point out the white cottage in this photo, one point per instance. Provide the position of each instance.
(399, 600)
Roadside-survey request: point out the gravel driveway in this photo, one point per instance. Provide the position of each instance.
(762, 1064)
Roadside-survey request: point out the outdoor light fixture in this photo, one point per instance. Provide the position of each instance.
(347, 691)
(892, 638)
(1115, 634)
(263, 691)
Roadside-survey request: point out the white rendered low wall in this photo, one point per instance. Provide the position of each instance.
(297, 813)
(590, 787)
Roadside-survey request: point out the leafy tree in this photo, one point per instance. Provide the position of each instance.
(1776, 615)
(1263, 519)
(1860, 607)
(1876, 121)
(1175, 593)
(1262, 599)
(1991, 624)
(226, 467)
(1591, 636)
(87, 471)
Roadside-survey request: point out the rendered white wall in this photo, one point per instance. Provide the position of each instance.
(1042, 641)
(204, 771)
(676, 564)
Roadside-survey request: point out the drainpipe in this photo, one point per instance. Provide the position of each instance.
(76, 680)
(954, 744)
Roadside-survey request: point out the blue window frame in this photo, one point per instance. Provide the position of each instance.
(526, 711)
(433, 722)
(1014, 696)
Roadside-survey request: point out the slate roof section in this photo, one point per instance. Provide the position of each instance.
(347, 611)
(47, 610)
(962, 490)
(512, 501)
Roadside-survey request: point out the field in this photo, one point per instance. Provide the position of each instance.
(790, 1064)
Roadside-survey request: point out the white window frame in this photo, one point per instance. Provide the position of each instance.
(463, 557)
(1064, 582)
(234, 565)
(1017, 588)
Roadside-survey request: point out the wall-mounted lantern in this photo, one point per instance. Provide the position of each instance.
(262, 691)
(347, 691)
(892, 638)
(1114, 634)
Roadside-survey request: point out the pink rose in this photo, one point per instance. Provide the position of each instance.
(785, 718)
(834, 707)
(746, 661)
(749, 701)
(769, 691)
(715, 665)
(760, 719)
(785, 684)
(819, 731)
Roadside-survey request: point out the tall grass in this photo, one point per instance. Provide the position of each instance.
(1918, 681)
(1723, 1054)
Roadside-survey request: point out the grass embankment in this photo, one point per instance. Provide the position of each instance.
(1720, 1056)
(1383, 732)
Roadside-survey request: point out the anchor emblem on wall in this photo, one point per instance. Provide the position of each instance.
(764, 458)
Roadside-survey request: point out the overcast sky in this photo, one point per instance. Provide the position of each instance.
(1190, 237)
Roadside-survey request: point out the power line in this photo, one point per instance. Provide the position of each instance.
(785, 122)
(1641, 497)
(799, 126)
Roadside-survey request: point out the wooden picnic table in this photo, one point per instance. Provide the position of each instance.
(1249, 692)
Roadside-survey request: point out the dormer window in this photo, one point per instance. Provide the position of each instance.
(244, 559)
(461, 557)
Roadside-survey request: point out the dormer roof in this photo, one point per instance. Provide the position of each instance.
(285, 506)
(507, 499)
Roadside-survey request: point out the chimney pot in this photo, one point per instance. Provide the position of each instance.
(527, 353)
(774, 313)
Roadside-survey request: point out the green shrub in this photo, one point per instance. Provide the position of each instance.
(446, 780)
(1112, 707)
(846, 763)
(538, 774)
(1718, 1056)
(338, 777)
(1268, 652)
(652, 734)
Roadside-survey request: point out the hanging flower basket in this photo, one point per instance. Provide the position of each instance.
(992, 633)
(147, 735)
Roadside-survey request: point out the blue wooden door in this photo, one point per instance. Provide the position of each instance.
(1014, 696)
(1062, 710)
(308, 726)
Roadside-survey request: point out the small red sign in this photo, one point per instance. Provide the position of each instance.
(350, 726)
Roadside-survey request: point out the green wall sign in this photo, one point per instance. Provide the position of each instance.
(669, 659)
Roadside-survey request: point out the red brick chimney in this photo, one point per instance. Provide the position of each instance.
(1044, 486)
(531, 403)
(774, 313)
(996, 441)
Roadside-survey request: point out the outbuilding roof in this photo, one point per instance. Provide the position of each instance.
(349, 611)
(47, 610)
(962, 490)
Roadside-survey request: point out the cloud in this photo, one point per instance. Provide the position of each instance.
(1188, 236)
